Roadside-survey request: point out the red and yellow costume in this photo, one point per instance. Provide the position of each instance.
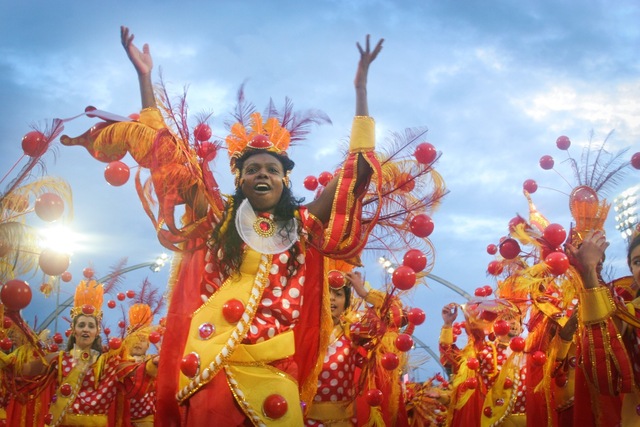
(140, 386)
(237, 363)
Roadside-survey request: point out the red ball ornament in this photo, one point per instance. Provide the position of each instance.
(49, 207)
(207, 151)
(415, 259)
(134, 116)
(488, 290)
(111, 304)
(473, 363)
(117, 173)
(530, 186)
(202, 132)
(390, 361)
(515, 221)
(310, 183)
(509, 248)
(561, 380)
(558, 263)
(635, 160)
(374, 397)
(66, 277)
(154, 337)
(421, 225)
(65, 389)
(501, 327)
(471, 383)
(122, 324)
(425, 153)
(554, 234)
(6, 344)
(563, 142)
(487, 411)
(324, 178)
(34, 143)
(53, 347)
(539, 358)
(121, 296)
(131, 293)
(88, 272)
(492, 249)
(53, 263)
(495, 268)
(115, 343)
(336, 279)
(190, 365)
(6, 323)
(517, 344)
(416, 316)
(67, 333)
(233, 310)
(16, 294)
(404, 342)
(107, 331)
(546, 162)
(260, 141)
(480, 292)
(403, 278)
(88, 309)
(275, 406)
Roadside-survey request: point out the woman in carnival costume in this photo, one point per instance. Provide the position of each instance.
(252, 260)
(86, 381)
(140, 388)
(609, 334)
(355, 339)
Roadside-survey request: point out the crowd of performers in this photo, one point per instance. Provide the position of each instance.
(263, 325)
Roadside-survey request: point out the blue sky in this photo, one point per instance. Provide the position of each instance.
(496, 82)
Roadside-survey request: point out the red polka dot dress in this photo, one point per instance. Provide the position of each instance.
(89, 395)
(335, 382)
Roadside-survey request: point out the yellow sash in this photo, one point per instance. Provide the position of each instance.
(243, 364)
(58, 409)
(332, 413)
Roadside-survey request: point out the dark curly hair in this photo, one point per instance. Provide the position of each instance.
(229, 244)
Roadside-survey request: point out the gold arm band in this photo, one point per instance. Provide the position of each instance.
(596, 305)
(446, 335)
(363, 136)
(152, 117)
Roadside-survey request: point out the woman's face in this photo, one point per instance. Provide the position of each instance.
(139, 347)
(85, 331)
(635, 263)
(261, 180)
(338, 300)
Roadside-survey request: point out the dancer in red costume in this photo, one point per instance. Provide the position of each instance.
(263, 257)
(333, 404)
(86, 381)
(609, 334)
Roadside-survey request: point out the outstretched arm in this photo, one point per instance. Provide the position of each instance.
(321, 207)
(143, 63)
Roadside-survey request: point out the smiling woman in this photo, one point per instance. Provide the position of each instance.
(236, 315)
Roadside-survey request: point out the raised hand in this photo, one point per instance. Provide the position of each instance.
(141, 60)
(367, 56)
(449, 314)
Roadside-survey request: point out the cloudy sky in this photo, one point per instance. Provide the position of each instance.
(496, 82)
